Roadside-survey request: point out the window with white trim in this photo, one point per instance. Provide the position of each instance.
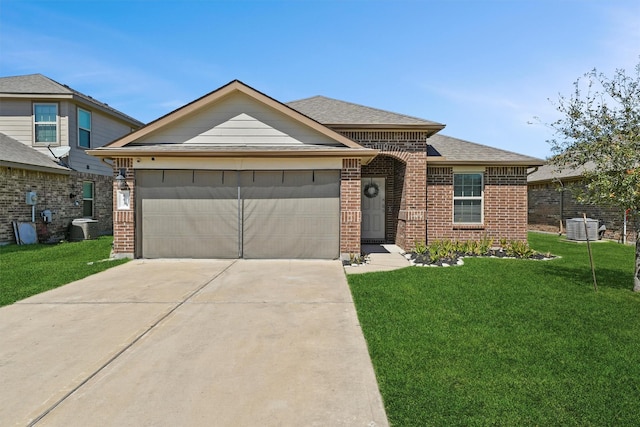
(468, 198)
(84, 128)
(87, 199)
(45, 123)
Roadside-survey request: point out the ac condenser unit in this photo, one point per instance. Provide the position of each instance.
(575, 229)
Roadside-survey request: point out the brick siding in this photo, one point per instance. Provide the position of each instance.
(413, 213)
(402, 162)
(53, 192)
(124, 232)
(549, 204)
(505, 205)
(350, 208)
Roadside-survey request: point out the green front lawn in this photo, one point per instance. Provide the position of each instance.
(507, 342)
(30, 269)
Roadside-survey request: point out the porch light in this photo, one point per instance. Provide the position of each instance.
(121, 180)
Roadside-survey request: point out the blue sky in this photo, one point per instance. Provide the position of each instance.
(483, 68)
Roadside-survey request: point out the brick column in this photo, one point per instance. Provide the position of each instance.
(414, 209)
(350, 206)
(124, 220)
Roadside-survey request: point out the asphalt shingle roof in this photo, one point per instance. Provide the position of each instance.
(458, 150)
(37, 84)
(551, 172)
(330, 111)
(15, 153)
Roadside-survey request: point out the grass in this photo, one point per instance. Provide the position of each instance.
(507, 342)
(27, 270)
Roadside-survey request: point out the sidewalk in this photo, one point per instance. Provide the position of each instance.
(382, 258)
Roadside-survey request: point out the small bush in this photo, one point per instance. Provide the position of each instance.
(485, 244)
(519, 249)
(420, 247)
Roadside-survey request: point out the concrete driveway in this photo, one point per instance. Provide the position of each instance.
(189, 343)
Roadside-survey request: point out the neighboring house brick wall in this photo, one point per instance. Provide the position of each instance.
(549, 204)
(53, 192)
(505, 205)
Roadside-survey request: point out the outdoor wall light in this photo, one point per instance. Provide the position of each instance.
(121, 180)
(123, 194)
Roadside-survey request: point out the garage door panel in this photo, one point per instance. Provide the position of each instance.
(291, 229)
(195, 214)
(188, 214)
(190, 228)
(291, 214)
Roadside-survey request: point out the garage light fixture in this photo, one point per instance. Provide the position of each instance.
(121, 180)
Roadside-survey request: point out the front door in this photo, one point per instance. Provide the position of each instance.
(373, 208)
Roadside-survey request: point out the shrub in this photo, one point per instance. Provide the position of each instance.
(420, 247)
(485, 244)
(519, 249)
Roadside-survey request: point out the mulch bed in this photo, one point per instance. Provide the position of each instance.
(424, 260)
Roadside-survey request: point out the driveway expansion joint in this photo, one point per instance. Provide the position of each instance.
(128, 346)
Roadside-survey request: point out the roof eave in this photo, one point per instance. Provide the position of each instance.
(108, 110)
(432, 129)
(38, 168)
(36, 95)
(365, 153)
(446, 162)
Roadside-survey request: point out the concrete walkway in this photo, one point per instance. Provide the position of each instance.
(172, 343)
(382, 258)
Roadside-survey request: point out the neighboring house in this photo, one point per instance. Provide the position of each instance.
(551, 203)
(55, 126)
(236, 173)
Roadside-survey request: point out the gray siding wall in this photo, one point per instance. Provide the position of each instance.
(16, 121)
(103, 131)
(239, 120)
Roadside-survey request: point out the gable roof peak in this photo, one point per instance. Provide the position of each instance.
(208, 100)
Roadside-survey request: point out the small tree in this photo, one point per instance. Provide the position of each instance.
(600, 124)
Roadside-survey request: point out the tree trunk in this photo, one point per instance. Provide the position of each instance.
(636, 275)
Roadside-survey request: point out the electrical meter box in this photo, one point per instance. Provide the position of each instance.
(31, 198)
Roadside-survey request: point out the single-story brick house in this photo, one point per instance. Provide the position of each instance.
(552, 202)
(237, 173)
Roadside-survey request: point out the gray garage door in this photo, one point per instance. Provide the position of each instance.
(230, 214)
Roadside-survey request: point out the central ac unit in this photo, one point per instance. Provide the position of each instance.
(576, 231)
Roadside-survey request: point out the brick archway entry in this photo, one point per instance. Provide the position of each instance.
(405, 195)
